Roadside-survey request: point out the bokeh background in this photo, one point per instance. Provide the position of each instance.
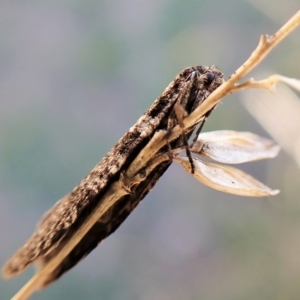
(74, 76)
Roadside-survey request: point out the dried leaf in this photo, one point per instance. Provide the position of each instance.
(234, 147)
(226, 179)
(292, 82)
(267, 110)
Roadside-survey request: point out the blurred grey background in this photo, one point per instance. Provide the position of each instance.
(74, 76)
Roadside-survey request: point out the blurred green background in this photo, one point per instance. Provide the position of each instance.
(74, 76)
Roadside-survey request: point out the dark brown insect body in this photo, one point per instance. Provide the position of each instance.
(190, 88)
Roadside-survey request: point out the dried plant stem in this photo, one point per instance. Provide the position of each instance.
(115, 192)
(266, 44)
(267, 83)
